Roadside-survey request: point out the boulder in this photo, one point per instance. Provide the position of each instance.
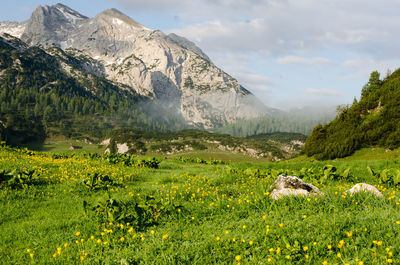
(365, 188)
(292, 186)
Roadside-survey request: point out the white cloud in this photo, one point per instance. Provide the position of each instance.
(253, 81)
(288, 26)
(324, 92)
(290, 59)
(361, 68)
(236, 64)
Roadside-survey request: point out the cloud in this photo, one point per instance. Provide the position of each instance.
(237, 64)
(361, 68)
(255, 81)
(291, 26)
(324, 92)
(152, 5)
(290, 59)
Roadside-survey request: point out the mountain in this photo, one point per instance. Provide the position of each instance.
(168, 69)
(372, 121)
(45, 92)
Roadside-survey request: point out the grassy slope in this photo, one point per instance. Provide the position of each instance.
(226, 213)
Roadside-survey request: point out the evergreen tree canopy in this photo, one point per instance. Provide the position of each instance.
(374, 120)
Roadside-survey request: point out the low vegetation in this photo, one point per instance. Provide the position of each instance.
(92, 209)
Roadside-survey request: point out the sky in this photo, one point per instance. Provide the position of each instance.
(289, 53)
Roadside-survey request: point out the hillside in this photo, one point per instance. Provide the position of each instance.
(372, 121)
(273, 147)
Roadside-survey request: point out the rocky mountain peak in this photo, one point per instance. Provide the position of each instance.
(117, 17)
(50, 24)
(57, 13)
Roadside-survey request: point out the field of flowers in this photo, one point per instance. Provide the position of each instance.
(88, 209)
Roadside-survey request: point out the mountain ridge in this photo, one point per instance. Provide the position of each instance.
(166, 68)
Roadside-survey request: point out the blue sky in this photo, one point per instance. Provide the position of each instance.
(290, 53)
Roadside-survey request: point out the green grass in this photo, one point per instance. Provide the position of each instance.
(206, 214)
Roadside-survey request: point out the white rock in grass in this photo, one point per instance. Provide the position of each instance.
(366, 188)
(122, 148)
(291, 185)
(278, 194)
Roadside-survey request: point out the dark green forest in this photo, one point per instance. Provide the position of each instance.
(374, 120)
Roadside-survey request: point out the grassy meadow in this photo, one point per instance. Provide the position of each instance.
(86, 209)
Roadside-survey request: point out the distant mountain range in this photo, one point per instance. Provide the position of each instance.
(169, 70)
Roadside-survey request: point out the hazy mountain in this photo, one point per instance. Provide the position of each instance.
(298, 120)
(167, 68)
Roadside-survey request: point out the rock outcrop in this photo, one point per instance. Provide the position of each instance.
(364, 187)
(167, 68)
(291, 186)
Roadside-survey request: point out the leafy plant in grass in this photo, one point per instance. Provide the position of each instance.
(201, 161)
(388, 175)
(98, 181)
(16, 178)
(144, 213)
(149, 163)
(62, 156)
(127, 160)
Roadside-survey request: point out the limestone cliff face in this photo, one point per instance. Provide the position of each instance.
(167, 68)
